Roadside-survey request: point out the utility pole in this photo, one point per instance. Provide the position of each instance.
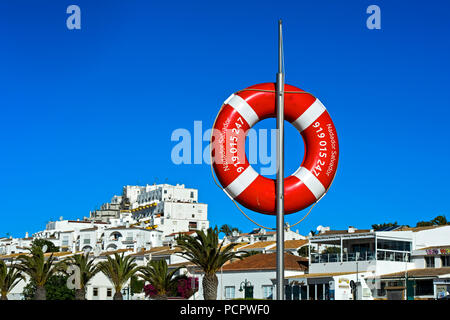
(280, 167)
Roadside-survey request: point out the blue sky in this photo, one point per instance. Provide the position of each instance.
(84, 112)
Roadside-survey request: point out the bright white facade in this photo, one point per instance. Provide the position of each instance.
(374, 260)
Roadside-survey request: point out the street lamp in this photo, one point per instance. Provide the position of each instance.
(126, 292)
(244, 285)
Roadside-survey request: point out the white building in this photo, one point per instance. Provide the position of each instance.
(370, 261)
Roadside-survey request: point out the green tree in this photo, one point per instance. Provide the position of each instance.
(43, 242)
(136, 285)
(9, 278)
(86, 270)
(55, 288)
(119, 270)
(440, 221)
(303, 251)
(329, 250)
(204, 250)
(164, 282)
(424, 224)
(39, 268)
(384, 225)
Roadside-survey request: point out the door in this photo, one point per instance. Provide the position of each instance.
(410, 289)
(249, 292)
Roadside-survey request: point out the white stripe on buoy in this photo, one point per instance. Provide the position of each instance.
(311, 182)
(241, 182)
(309, 116)
(244, 109)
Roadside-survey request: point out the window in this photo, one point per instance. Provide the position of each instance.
(394, 245)
(193, 216)
(445, 261)
(109, 292)
(424, 287)
(230, 292)
(192, 225)
(87, 240)
(192, 194)
(267, 292)
(165, 191)
(429, 262)
(95, 292)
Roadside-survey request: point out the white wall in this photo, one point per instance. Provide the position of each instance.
(235, 278)
(432, 237)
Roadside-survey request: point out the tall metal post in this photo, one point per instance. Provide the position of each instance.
(280, 167)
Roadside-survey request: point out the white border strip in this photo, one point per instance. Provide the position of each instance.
(244, 109)
(309, 116)
(310, 181)
(241, 182)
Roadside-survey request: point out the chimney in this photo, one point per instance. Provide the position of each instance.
(351, 229)
(26, 234)
(252, 239)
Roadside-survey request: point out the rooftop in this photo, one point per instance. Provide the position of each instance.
(263, 261)
(320, 275)
(419, 273)
(340, 232)
(292, 244)
(417, 229)
(259, 245)
(436, 247)
(107, 253)
(183, 233)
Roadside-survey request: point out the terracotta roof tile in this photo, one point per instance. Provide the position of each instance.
(107, 253)
(417, 229)
(259, 245)
(419, 273)
(266, 262)
(239, 245)
(320, 275)
(292, 244)
(436, 247)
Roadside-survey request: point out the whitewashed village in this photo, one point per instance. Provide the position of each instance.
(143, 223)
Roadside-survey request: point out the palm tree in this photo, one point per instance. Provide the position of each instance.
(158, 275)
(119, 270)
(205, 251)
(9, 278)
(39, 269)
(225, 229)
(87, 270)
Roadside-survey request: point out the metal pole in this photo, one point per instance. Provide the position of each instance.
(280, 165)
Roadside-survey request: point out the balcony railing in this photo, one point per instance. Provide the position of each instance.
(346, 257)
(361, 256)
(393, 256)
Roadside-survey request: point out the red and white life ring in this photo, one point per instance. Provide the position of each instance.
(243, 110)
